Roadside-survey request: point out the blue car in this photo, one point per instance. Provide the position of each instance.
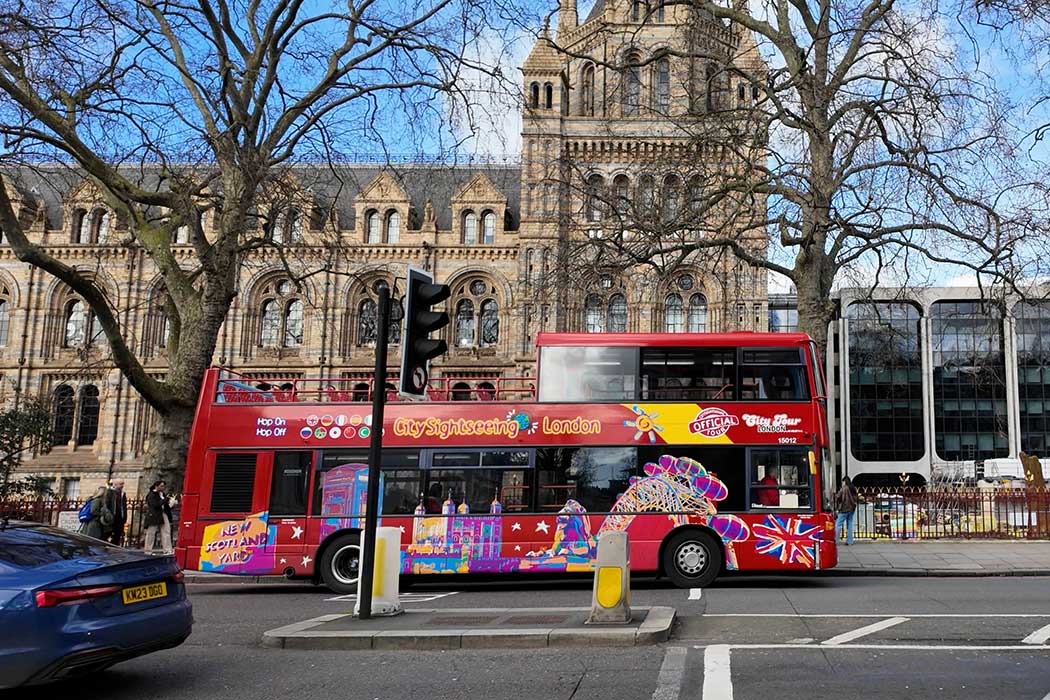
(72, 604)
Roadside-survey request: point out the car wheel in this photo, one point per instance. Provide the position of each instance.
(692, 559)
(341, 564)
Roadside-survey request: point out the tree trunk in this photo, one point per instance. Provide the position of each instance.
(816, 309)
(169, 442)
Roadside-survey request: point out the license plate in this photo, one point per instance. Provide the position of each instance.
(147, 592)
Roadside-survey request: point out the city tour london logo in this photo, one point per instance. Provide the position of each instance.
(712, 422)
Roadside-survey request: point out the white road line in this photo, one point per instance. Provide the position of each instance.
(889, 647)
(1040, 636)
(1047, 697)
(672, 672)
(695, 593)
(718, 677)
(910, 615)
(801, 640)
(864, 631)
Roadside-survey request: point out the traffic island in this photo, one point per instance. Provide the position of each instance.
(473, 628)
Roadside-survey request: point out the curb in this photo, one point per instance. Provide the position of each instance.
(654, 629)
(940, 573)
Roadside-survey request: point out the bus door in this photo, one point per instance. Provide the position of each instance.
(289, 492)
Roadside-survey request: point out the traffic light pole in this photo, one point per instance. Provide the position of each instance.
(375, 455)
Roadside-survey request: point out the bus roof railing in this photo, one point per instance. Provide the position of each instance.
(234, 388)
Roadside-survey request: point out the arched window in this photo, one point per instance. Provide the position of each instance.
(639, 10)
(295, 226)
(696, 197)
(488, 228)
(470, 228)
(293, 324)
(393, 227)
(182, 235)
(672, 193)
(101, 225)
(659, 12)
(662, 86)
(5, 321)
(587, 91)
(62, 408)
(594, 314)
(489, 323)
(372, 233)
(632, 86)
(367, 322)
(617, 314)
(622, 186)
(87, 423)
(593, 207)
(81, 226)
(76, 317)
(269, 324)
(460, 391)
(548, 96)
(464, 323)
(674, 318)
(360, 392)
(646, 196)
(697, 314)
(535, 96)
(397, 315)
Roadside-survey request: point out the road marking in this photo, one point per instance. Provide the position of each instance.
(672, 672)
(864, 631)
(1040, 636)
(404, 597)
(718, 677)
(801, 640)
(888, 647)
(844, 615)
(695, 593)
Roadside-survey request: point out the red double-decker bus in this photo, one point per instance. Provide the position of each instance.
(706, 449)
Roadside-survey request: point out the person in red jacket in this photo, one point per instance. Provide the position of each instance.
(768, 496)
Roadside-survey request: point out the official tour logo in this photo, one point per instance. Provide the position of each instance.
(712, 423)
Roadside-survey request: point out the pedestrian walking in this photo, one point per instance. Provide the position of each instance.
(101, 521)
(158, 519)
(118, 506)
(846, 504)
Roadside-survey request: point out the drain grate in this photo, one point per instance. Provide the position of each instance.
(536, 620)
(462, 620)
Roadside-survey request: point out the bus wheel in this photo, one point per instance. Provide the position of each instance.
(692, 559)
(341, 564)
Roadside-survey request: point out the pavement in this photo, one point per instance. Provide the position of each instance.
(743, 638)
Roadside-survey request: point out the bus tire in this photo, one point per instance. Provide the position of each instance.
(692, 559)
(341, 564)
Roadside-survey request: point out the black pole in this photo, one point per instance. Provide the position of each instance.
(375, 455)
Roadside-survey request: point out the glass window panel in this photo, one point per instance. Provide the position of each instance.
(588, 373)
(291, 478)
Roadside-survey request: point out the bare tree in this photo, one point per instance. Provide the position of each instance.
(179, 110)
(814, 138)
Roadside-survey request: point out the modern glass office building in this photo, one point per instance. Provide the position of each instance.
(935, 382)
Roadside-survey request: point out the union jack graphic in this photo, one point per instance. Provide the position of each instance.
(791, 540)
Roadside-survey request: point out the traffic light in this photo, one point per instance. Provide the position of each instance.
(417, 347)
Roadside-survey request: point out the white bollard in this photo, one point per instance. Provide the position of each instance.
(611, 598)
(387, 574)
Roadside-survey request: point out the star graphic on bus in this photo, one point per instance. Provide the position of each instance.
(543, 526)
(297, 532)
(644, 424)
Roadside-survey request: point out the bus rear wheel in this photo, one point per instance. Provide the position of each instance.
(341, 564)
(692, 559)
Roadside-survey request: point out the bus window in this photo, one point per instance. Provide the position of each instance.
(288, 488)
(773, 375)
(687, 374)
(401, 478)
(233, 482)
(477, 478)
(779, 478)
(588, 373)
(727, 464)
(592, 476)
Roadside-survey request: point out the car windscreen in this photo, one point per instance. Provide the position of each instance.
(29, 546)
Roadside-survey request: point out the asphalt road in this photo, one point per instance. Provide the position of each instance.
(744, 638)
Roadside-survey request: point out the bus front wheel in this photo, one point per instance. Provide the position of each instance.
(692, 559)
(341, 564)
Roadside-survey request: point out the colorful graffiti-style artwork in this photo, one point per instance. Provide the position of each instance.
(238, 546)
(791, 540)
(345, 492)
(732, 530)
(461, 543)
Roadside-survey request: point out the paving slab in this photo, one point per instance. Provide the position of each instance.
(465, 628)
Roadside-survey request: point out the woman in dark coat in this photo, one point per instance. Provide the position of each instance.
(158, 519)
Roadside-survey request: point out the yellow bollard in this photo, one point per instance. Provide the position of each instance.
(387, 577)
(611, 597)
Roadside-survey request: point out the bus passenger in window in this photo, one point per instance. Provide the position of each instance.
(434, 498)
(769, 497)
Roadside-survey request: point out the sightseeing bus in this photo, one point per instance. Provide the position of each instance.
(706, 449)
